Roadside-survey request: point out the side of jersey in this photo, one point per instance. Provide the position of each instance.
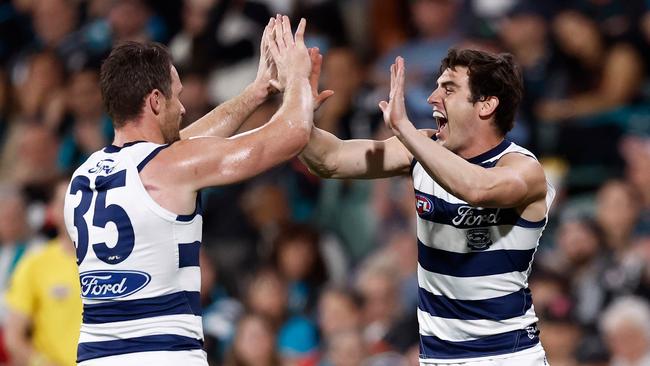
(473, 267)
(138, 262)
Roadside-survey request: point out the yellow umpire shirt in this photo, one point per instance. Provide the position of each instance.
(45, 287)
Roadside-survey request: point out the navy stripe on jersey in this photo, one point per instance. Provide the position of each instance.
(198, 210)
(113, 149)
(188, 254)
(463, 216)
(509, 342)
(497, 308)
(473, 264)
(161, 342)
(501, 147)
(183, 302)
(151, 155)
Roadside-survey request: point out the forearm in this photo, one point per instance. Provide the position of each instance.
(319, 153)
(450, 171)
(297, 107)
(225, 120)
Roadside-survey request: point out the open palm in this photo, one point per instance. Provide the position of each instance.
(394, 110)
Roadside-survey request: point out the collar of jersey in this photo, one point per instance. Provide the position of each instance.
(113, 149)
(490, 153)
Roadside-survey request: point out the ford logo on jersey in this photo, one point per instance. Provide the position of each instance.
(112, 284)
(423, 204)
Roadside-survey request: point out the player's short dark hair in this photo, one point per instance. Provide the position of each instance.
(490, 75)
(129, 74)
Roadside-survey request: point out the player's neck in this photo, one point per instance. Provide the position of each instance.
(138, 131)
(480, 145)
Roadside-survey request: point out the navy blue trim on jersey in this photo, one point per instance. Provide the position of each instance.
(183, 302)
(151, 155)
(464, 216)
(509, 342)
(473, 264)
(531, 224)
(113, 149)
(188, 254)
(159, 342)
(496, 308)
(413, 163)
(501, 147)
(198, 210)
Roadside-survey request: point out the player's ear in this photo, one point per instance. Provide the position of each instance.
(488, 106)
(155, 100)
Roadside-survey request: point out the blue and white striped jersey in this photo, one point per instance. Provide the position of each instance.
(138, 262)
(473, 267)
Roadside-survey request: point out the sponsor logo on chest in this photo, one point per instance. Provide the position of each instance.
(112, 284)
(105, 165)
(472, 216)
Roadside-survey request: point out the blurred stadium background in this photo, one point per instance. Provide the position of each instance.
(302, 271)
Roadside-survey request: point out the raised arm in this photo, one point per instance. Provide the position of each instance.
(226, 119)
(330, 157)
(210, 161)
(515, 180)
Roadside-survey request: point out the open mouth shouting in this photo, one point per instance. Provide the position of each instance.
(441, 119)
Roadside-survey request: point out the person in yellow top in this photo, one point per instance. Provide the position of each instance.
(43, 300)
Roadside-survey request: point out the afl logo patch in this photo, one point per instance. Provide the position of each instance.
(423, 205)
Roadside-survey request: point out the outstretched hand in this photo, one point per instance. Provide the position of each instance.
(314, 76)
(395, 110)
(289, 52)
(267, 73)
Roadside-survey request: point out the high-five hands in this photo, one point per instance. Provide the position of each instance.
(394, 110)
(289, 52)
(267, 73)
(314, 76)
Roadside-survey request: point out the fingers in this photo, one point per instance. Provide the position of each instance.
(300, 32)
(392, 82)
(286, 31)
(271, 40)
(322, 97)
(316, 63)
(279, 38)
(267, 29)
(399, 78)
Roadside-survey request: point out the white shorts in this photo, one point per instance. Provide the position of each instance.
(159, 358)
(534, 356)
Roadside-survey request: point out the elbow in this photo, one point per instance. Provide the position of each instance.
(475, 197)
(296, 137)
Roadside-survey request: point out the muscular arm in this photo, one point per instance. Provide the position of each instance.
(329, 157)
(210, 161)
(515, 180)
(225, 119)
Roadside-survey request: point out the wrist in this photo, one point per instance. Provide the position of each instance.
(402, 127)
(259, 91)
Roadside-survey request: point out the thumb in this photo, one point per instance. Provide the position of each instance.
(383, 105)
(324, 95)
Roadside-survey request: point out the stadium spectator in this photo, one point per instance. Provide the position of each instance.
(44, 303)
(626, 327)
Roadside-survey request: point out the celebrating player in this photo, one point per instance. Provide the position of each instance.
(132, 208)
(481, 200)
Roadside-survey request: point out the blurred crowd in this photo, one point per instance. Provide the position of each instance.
(302, 271)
